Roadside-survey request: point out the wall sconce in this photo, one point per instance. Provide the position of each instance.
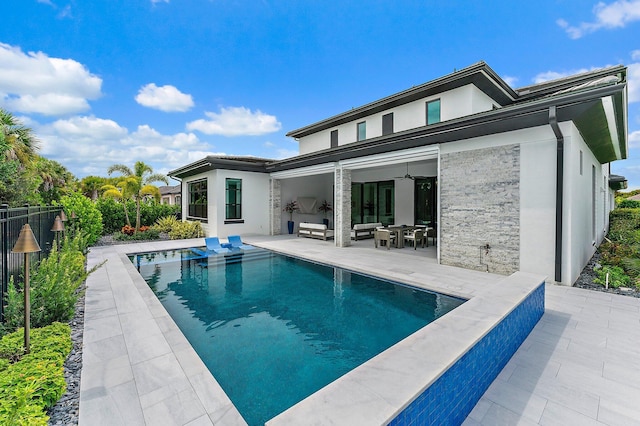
(26, 244)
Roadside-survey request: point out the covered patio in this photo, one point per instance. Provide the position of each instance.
(398, 188)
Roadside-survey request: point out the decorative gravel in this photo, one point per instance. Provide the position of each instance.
(67, 409)
(585, 280)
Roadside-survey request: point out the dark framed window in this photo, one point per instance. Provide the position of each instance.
(334, 138)
(373, 202)
(433, 112)
(197, 207)
(387, 124)
(233, 199)
(362, 131)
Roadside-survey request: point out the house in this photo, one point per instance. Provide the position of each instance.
(512, 179)
(170, 194)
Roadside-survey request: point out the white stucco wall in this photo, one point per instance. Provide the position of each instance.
(454, 103)
(579, 237)
(255, 203)
(318, 186)
(537, 202)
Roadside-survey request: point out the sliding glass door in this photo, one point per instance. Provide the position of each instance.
(372, 202)
(426, 198)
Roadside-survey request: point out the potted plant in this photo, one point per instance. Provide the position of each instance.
(290, 207)
(325, 207)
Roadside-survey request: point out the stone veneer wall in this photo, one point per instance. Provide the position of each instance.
(480, 204)
(343, 214)
(275, 206)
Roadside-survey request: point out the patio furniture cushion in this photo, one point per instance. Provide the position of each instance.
(315, 230)
(364, 230)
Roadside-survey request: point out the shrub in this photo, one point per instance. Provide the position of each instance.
(148, 234)
(128, 230)
(55, 282)
(89, 218)
(166, 224)
(31, 383)
(629, 204)
(617, 276)
(182, 230)
(113, 213)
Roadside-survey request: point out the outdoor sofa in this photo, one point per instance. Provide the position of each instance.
(315, 230)
(361, 231)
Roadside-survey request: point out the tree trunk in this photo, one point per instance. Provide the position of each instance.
(137, 214)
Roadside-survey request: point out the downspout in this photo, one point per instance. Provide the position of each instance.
(553, 122)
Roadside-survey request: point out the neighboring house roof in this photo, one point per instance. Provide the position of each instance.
(595, 101)
(168, 190)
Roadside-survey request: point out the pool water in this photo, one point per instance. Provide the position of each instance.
(274, 329)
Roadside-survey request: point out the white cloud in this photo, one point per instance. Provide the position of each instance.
(285, 153)
(634, 139)
(633, 77)
(615, 15)
(236, 121)
(165, 98)
(159, 1)
(89, 145)
(511, 81)
(554, 75)
(635, 55)
(37, 83)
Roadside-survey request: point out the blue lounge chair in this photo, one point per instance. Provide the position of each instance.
(213, 244)
(236, 243)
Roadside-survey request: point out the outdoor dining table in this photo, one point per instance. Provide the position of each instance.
(399, 231)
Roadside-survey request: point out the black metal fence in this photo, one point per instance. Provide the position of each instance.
(11, 221)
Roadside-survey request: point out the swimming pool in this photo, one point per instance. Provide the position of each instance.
(274, 329)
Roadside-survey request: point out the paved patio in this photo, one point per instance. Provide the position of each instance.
(580, 365)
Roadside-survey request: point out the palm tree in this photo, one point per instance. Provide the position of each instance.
(21, 142)
(137, 183)
(91, 186)
(120, 191)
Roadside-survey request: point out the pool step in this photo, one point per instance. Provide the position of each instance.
(237, 256)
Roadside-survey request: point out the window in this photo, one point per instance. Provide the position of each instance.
(233, 203)
(178, 199)
(362, 131)
(387, 124)
(433, 112)
(197, 200)
(334, 138)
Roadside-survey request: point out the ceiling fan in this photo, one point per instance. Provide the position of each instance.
(408, 176)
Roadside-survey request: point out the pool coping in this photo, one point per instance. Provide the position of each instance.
(145, 347)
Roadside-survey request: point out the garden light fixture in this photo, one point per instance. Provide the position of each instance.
(26, 244)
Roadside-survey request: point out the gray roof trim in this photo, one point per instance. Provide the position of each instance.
(552, 86)
(518, 116)
(245, 164)
(479, 74)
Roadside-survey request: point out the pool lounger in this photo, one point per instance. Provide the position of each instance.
(236, 243)
(213, 244)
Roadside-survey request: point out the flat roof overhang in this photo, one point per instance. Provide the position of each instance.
(604, 132)
(479, 74)
(213, 163)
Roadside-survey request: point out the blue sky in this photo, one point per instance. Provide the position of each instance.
(169, 81)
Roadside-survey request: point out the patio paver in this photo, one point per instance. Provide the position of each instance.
(578, 366)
